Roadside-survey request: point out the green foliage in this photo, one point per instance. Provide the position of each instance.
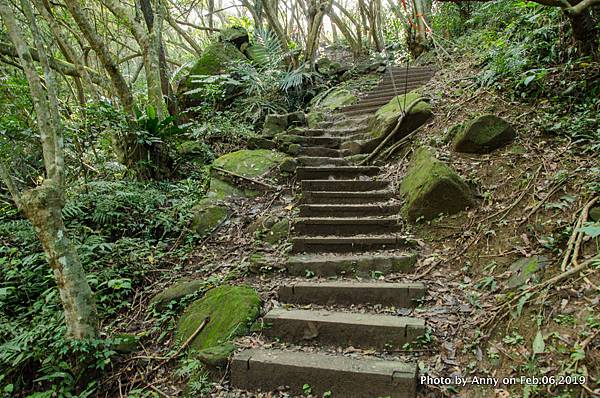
(121, 231)
(525, 49)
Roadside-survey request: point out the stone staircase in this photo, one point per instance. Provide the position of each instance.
(348, 226)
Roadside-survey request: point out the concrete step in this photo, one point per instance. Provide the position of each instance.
(357, 265)
(324, 141)
(332, 132)
(347, 244)
(352, 293)
(346, 226)
(322, 152)
(364, 111)
(345, 172)
(344, 185)
(389, 92)
(269, 370)
(345, 197)
(342, 328)
(314, 161)
(349, 210)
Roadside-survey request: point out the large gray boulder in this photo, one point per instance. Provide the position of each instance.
(483, 134)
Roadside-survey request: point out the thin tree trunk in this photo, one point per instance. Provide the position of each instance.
(43, 205)
(103, 54)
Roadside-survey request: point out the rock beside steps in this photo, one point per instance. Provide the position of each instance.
(348, 226)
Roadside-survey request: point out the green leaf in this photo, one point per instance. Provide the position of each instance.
(592, 230)
(538, 343)
(528, 80)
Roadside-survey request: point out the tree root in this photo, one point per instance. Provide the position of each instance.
(392, 133)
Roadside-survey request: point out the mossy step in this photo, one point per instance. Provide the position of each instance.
(331, 131)
(390, 91)
(350, 265)
(342, 172)
(346, 226)
(352, 293)
(322, 152)
(347, 197)
(347, 244)
(344, 185)
(364, 111)
(349, 210)
(342, 328)
(322, 161)
(323, 141)
(268, 370)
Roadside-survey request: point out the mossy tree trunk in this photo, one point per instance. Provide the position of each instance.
(43, 204)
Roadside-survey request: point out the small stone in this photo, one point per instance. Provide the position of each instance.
(176, 291)
(208, 215)
(524, 269)
(216, 356)
(483, 135)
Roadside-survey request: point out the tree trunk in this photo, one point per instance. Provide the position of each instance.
(317, 11)
(43, 206)
(103, 54)
(157, 45)
(584, 30)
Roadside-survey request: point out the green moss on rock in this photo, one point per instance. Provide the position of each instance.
(214, 60)
(313, 118)
(221, 190)
(524, 269)
(431, 188)
(176, 291)
(337, 99)
(251, 162)
(387, 116)
(483, 134)
(208, 215)
(231, 310)
(277, 233)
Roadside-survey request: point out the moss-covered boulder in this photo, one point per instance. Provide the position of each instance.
(483, 134)
(213, 61)
(313, 118)
(251, 162)
(274, 124)
(208, 215)
(235, 35)
(277, 233)
(277, 124)
(176, 291)
(336, 99)
(231, 311)
(220, 190)
(386, 117)
(431, 188)
(194, 151)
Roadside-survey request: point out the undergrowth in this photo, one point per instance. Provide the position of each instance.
(122, 231)
(525, 50)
